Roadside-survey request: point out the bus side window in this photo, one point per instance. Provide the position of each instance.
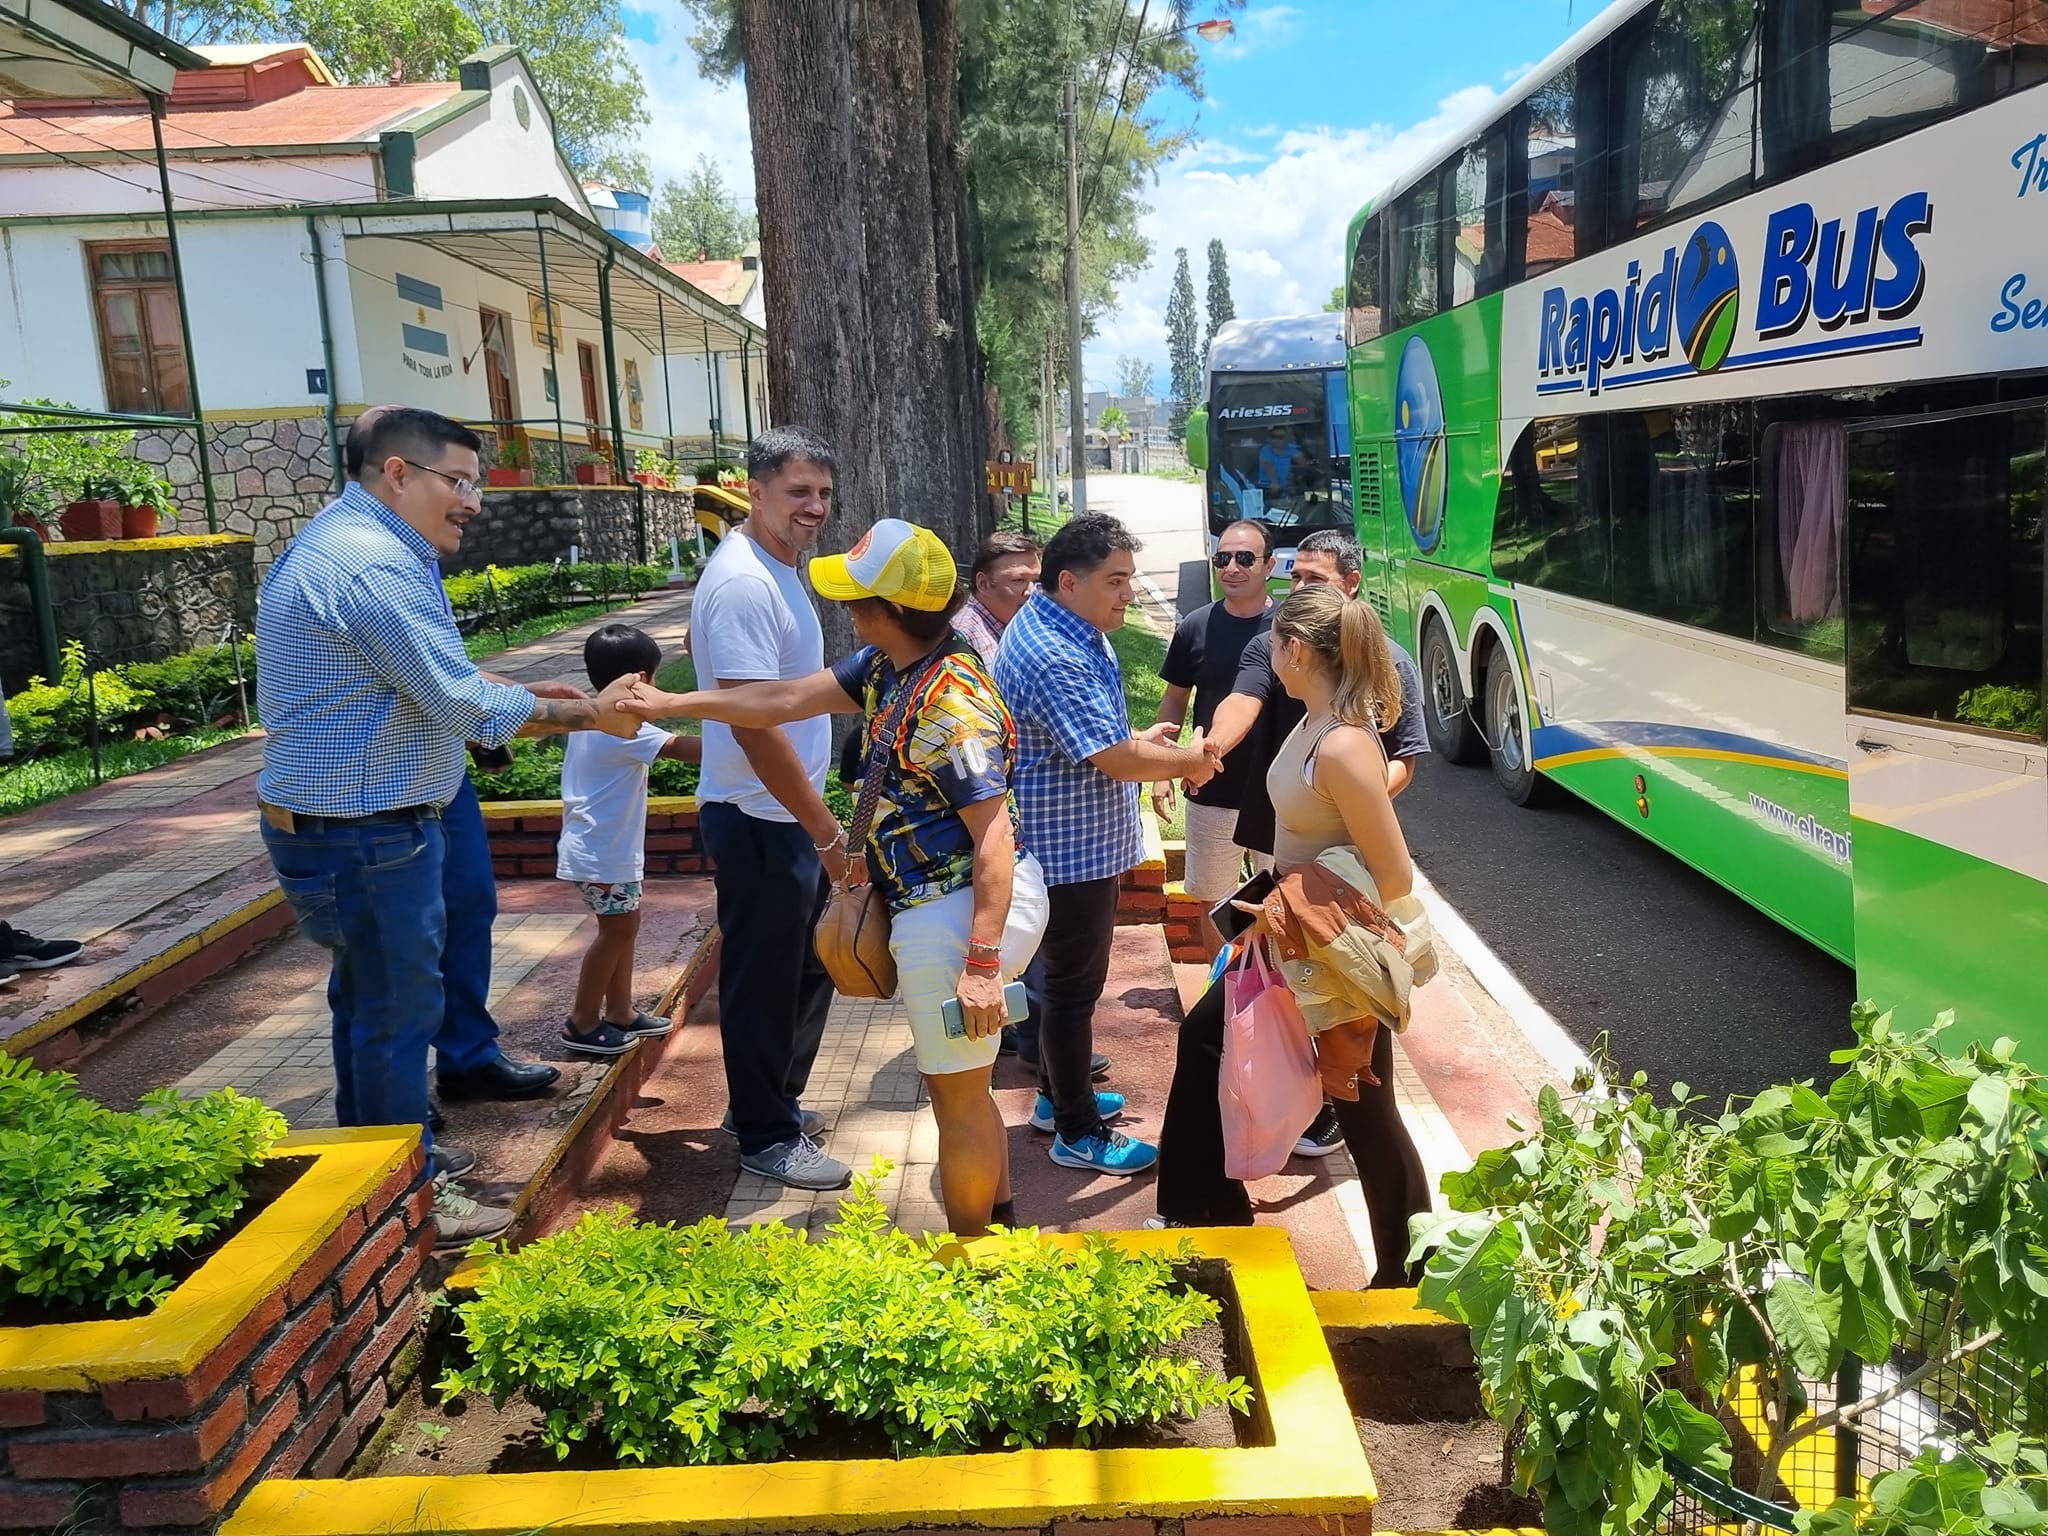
(1362, 294)
(1549, 148)
(1945, 569)
(1690, 101)
(1681, 485)
(1799, 537)
(1417, 232)
(1550, 525)
(1477, 240)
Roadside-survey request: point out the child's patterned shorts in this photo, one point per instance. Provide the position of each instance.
(609, 900)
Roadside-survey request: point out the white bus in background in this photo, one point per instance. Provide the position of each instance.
(1272, 435)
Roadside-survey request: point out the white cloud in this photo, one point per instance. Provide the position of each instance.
(690, 116)
(1283, 223)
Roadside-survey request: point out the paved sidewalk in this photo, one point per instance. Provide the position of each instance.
(141, 868)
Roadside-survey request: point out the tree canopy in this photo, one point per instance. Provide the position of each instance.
(1183, 360)
(1221, 310)
(1134, 377)
(700, 219)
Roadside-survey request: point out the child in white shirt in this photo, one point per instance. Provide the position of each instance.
(603, 847)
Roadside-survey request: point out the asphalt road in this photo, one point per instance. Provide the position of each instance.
(1611, 934)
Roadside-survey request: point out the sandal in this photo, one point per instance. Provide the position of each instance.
(643, 1024)
(605, 1040)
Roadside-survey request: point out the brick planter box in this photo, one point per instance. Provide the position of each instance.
(1309, 1476)
(275, 1357)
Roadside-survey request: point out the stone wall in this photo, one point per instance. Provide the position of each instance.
(130, 600)
(531, 525)
(269, 476)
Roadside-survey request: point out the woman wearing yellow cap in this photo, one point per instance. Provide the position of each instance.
(967, 904)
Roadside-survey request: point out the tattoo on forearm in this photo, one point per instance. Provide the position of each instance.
(564, 714)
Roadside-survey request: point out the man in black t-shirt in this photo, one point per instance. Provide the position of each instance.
(1250, 725)
(1203, 661)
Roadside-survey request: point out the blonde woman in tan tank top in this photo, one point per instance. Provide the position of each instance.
(1328, 783)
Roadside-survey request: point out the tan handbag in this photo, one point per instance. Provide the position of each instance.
(852, 937)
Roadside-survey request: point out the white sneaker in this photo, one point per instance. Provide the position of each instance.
(801, 1164)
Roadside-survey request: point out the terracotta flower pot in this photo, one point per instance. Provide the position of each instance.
(508, 477)
(83, 520)
(593, 474)
(138, 522)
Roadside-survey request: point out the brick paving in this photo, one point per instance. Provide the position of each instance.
(144, 864)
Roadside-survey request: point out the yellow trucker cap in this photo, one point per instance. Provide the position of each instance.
(894, 560)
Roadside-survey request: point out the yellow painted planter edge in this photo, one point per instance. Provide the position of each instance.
(143, 546)
(1315, 1465)
(172, 1340)
(657, 805)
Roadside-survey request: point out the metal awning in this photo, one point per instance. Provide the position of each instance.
(71, 49)
(513, 239)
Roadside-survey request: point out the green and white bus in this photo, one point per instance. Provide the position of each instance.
(1699, 399)
(1272, 434)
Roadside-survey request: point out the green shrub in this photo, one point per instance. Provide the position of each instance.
(1624, 1265)
(76, 465)
(2001, 707)
(38, 780)
(536, 774)
(180, 692)
(705, 1344)
(509, 595)
(95, 1202)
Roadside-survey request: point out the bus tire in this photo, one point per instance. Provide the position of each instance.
(1507, 730)
(1446, 711)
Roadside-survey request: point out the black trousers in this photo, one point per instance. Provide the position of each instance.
(1192, 1185)
(773, 991)
(1064, 982)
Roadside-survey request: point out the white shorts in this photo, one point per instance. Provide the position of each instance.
(929, 942)
(1215, 864)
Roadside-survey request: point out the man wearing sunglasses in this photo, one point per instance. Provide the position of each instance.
(367, 698)
(1203, 661)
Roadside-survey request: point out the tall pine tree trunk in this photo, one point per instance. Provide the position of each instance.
(861, 184)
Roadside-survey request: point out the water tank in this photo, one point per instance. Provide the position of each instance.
(628, 215)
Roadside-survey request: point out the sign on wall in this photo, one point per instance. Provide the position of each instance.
(539, 313)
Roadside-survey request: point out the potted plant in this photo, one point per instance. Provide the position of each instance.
(97, 512)
(24, 502)
(145, 500)
(514, 466)
(652, 470)
(593, 469)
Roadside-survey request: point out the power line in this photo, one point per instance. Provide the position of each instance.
(1109, 140)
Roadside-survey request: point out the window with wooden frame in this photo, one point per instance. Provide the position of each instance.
(142, 346)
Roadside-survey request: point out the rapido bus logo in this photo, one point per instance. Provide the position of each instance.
(1836, 276)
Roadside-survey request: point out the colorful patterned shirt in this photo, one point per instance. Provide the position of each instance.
(957, 747)
(1057, 671)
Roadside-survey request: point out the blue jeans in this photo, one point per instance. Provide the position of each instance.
(468, 1038)
(371, 894)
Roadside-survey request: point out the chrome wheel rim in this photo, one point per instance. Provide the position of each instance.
(1443, 688)
(1508, 727)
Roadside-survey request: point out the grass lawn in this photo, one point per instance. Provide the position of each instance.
(489, 642)
(37, 780)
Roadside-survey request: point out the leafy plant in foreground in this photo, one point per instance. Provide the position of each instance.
(1625, 1265)
(94, 1201)
(708, 1344)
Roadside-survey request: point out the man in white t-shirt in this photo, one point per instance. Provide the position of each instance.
(762, 813)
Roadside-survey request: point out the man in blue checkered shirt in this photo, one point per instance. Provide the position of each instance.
(367, 699)
(1078, 771)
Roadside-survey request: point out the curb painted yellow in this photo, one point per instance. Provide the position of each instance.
(1314, 1466)
(65, 547)
(657, 805)
(98, 998)
(173, 1339)
(1384, 1308)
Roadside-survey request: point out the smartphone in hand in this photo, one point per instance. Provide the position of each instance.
(1228, 920)
(1015, 1004)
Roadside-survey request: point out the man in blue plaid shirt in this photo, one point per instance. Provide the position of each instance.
(367, 699)
(1078, 771)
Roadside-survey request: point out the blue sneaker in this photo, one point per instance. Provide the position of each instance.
(1107, 1107)
(1110, 1152)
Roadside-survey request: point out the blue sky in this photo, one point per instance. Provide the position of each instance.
(1306, 112)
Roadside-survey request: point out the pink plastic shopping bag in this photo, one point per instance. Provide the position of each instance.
(1269, 1088)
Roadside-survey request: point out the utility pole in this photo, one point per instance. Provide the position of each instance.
(1049, 454)
(1077, 400)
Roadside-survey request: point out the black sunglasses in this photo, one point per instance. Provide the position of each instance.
(1244, 557)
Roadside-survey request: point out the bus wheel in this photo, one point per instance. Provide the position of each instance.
(1452, 735)
(1514, 766)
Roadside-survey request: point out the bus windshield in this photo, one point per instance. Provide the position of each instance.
(1272, 457)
